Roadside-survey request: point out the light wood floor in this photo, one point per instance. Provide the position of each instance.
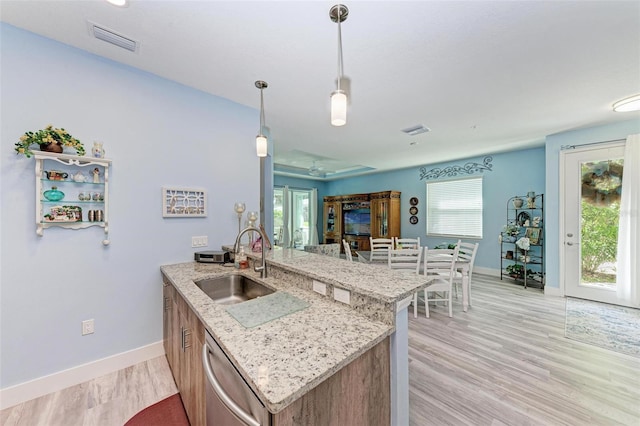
(505, 362)
(109, 400)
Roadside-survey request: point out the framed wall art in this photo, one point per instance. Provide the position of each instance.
(184, 202)
(534, 235)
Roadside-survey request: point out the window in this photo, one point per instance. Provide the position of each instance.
(454, 208)
(298, 217)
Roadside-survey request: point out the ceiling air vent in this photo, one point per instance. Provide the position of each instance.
(416, 130)
(104, 34)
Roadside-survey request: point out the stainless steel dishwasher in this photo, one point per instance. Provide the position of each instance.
(230, 400)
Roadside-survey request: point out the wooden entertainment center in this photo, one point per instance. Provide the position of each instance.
(356, 217)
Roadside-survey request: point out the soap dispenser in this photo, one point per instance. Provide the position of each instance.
(241, 259)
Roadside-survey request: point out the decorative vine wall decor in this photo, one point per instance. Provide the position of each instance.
(451, 171)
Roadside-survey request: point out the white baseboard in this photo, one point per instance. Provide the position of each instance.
(553, 291)
(486, 271)
(63, 379)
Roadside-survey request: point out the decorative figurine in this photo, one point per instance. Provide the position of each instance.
(97, 150)
(96, 175)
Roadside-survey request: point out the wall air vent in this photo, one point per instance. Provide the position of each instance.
(104, 34)
(416, 130)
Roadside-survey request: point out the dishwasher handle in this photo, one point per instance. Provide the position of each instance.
(226, 400)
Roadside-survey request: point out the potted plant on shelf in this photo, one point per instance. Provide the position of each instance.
(515, 271)
(511, 231)
(49, 139)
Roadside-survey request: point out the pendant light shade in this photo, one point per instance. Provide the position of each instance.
(338, 14)
(261, 145)
(261, 139)
(338, 108)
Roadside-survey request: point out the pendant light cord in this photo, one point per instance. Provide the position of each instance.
(339, 48)
(261, 112)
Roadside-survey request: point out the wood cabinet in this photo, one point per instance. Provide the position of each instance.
(358, 394)
(332, 209)
(385, 214)
(183, 337)
(356, 217)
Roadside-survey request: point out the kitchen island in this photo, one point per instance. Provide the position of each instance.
(284, 359)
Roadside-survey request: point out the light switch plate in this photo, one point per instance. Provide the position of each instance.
(201, 241)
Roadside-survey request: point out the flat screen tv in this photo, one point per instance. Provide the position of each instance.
(357, 222)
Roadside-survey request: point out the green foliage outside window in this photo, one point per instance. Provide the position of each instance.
(599, 239)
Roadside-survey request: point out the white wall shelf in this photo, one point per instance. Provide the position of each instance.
(98, 192)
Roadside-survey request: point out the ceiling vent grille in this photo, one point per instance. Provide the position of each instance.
(416, 130)
(104, 34)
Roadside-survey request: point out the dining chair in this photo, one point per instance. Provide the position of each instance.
(441, 264)
(406, 243)
(407, 260)
(380, 249)
(466, 252)
(347, 250)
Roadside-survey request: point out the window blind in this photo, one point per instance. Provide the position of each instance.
(454, 208)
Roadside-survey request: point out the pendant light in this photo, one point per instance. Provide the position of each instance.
(261, 139)
(338, 14)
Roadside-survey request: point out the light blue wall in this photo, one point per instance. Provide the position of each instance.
(157, 133)
(513, 173)
(552, 214)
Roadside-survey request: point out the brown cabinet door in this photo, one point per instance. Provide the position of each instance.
(183, 337)
(332, 219)
(167, 330)
(385, 214)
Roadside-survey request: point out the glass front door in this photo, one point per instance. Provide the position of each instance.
(593, 185)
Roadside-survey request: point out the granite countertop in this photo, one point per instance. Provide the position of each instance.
(285, 358)
(375, 280)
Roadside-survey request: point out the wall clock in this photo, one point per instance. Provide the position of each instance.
(413, 201)
(413, 220)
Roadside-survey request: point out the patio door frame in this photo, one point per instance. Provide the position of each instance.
(601, 295)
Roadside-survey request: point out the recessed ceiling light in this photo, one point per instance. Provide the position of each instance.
(119, 3)
(629, 104)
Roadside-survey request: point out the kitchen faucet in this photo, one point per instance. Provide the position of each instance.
(236, 248)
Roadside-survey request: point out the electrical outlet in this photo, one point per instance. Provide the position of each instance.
(201, 241)
(319, 287)
(341, 295)
(87, 327)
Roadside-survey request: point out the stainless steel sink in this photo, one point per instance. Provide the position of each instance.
(232, 288)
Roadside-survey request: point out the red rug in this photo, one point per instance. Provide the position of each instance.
(168, 412)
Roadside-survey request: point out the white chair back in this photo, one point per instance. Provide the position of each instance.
(440, 264)
(406, 259)
(380, 249)
(406, 243)
(466, 252)
(347, 250)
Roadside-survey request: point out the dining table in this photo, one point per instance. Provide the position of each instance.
(462, 266)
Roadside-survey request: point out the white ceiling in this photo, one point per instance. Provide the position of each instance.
(484, 76)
